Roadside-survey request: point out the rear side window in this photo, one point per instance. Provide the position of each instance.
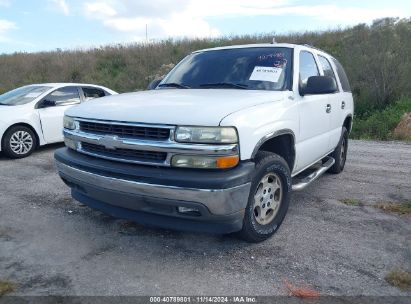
(63, 96)
(91, 93)
(308, 67)
(327, 69)
(343, 77)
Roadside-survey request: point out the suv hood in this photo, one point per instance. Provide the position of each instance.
(173, 106)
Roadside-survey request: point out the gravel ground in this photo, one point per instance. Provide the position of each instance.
(50, 244)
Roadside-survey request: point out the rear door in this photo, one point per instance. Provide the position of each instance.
(51, 111)
(314, 116)
(345, 101)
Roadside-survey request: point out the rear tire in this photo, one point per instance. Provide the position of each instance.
(268, 199)
(340, 153)
(19, 142)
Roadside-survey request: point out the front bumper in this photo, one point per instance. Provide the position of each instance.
(152, 195)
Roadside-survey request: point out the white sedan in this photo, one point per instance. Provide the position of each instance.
(32, 116)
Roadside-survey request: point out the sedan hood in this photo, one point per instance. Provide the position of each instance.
(173, 106)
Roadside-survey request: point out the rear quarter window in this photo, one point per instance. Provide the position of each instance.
(91, 93)
(343, 76)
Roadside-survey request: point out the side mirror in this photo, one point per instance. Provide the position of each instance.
(47, 103)
(154, 84)
(319, 85)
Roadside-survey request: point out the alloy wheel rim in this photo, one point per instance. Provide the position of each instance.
(267, 199)
(21, 142)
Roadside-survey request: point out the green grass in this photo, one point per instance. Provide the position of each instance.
(6, 287)
(379, 125)
(400, 279)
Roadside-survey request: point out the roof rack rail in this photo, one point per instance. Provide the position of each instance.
(312, 47)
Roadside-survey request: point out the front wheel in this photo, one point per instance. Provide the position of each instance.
(19, 142)
(269, 198)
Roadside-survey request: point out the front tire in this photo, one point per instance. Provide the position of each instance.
(340, 153)
(269, 197)
(19, 142)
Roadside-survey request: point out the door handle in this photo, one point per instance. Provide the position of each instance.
(328, 108)
(343, 105)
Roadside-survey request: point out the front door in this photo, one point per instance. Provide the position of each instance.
(337, 103)
(51, 111)
(314, 116)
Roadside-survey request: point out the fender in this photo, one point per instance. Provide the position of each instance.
(39, 135)
(270, 136)
(255, 126)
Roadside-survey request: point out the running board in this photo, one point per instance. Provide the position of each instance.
(301, 184)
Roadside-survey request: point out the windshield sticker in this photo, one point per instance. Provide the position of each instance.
(271, 74)
(32, 95)
(277, 60)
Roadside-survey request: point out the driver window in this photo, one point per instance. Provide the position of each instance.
(308, 67)
(63, 96)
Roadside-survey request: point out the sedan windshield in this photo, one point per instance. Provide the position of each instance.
(22, 95)
(256, 68)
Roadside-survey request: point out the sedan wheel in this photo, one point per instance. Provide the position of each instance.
(21, 142)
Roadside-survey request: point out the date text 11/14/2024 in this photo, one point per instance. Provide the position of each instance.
(203, 299)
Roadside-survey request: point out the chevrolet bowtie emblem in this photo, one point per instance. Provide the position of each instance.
(109, 142)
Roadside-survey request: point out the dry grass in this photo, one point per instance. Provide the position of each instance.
(301, 291)
(403, 129)
(351, 202)
(6, 287)
(399, 208)
(400, 279)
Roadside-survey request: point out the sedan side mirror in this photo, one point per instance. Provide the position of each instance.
(47, 103)
(154, 84)
(319, 85)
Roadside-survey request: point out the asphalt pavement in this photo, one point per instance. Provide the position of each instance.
(52, 245)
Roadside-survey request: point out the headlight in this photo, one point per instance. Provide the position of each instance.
(69, 123)
(204, 162)
(206, 135)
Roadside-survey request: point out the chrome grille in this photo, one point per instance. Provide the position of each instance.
(125, 131)
(135, 142)
(124, 154)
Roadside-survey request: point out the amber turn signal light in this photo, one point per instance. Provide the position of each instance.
(226, 162)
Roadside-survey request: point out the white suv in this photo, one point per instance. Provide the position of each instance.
(32, 115)
(218, 145)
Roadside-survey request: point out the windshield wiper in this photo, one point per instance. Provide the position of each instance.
(4, 104)
(225, 85)
(174, 85)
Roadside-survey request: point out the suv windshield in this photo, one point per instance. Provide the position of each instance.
(256, 68)
(22, 95)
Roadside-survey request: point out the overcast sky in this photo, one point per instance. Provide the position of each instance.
(36, 25)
